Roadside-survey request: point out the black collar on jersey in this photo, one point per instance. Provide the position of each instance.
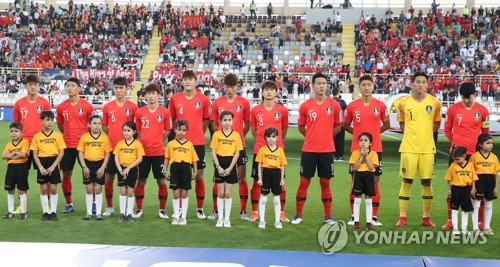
(133, 140)
(180, 141)
(271, 149)
(489, 153)
(14, 144)
(47, 135)
(95, 138)
(231, 132)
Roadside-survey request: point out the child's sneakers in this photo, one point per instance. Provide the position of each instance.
(219, 223)
(182, 221)
(426, 221)
(130, 218)
(45, 217)
(122, 218)
(8, 215)
(369, 226)
(355, 226)
(175, 221)
(278, 225)
(262, 224)
(227, 223)
(87, 217)
(488, 231)
(23, 216)
(53, 216)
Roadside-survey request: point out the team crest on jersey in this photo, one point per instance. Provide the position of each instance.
(128, 111)
(39, 108)
(376, 111)
(477, 116)
(329, 110)
(197, 105)
(277, 115)
(80, 111)
(159, 118)
(238, 108)
(428, 108)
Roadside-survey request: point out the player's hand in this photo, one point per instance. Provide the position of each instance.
(495, 192)
(100, 172)
(125, 173)
(44, 172)
(473, 193)
(86, 172)
(220, 170)
(227, 171)
(167, 176)
(282, 183)
(260, 181)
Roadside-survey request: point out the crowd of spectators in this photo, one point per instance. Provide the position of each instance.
(448, 46)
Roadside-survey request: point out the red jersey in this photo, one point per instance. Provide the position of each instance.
(152, 126)
(28, 114)
(261, 119)
(319, 120)
(463, 126)
(115, 116)
(240, 107)
(366, 119)
(194, 111)
(75, 119)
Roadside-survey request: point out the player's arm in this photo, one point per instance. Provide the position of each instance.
(347, 126)
(206, 121)
(368, 161)
(85, 169)
(216, 160)
(259, 173)
(102, 169)
(166, 133)
(437, 116)
(437, 124)
(254, 131)
(337, 128)
(246, 127)
(60, 126)
(233, 162)
(165, 168)
(448, 125)
(401, 116)
(214, 126)
(386, 123)
(105, 128)
(117, 162)
(302, 130)
(284, 130)
(135, 163)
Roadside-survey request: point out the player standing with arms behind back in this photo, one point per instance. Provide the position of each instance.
(366, 114)
(320, 119)
(465, 121)
(72, 117)
(240, 107)
(193, 107)
(114, 115)
(419, 116)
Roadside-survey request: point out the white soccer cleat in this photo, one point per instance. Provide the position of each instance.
(138, 214)
(109, 211)
(297, 219)
(219, 223)
(278, 225)
(262, 224)
(376, 222)
(227, 223)
(182, 221)
(200, 214)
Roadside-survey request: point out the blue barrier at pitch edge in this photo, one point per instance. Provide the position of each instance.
(442, 261)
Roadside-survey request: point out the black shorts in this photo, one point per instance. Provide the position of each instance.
(378, 169)
(154, 163)
(93, 167)
(131, 178)
(69, 158)
(271, 181)
(460, 198)
(485, 186)
(309, 161)
(180, 176)
(111, 166)
(54, 177)
(225, 162)
(17, 174)
(242, 159)
(200, 151)
(363, 184)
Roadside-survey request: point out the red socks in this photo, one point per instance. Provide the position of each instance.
(283, 199)
(376, 201)
(255, 195)
(108, 190)
(481, 212)
(162, 196)
(139, 195)
(200, 193)
(326, 196)
(243, 190)
(215, 192)
(302, 194)
(67, 188)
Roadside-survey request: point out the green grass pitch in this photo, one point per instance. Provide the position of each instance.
(153, 231)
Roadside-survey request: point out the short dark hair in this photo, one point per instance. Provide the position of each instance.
(31, 78)
(225, 113)
(121, 81)
(95, 116)
(189, 74)
(318, 75)
(47, 114)
(270, 131)
(231, 79)
(366, 78)
(467, 89)
(418, 74)
(459, 151)
(179, 123)
(16, 125)
(153, 87)
(168, 91)
(270, 84)
(335, 91)
(73, 79)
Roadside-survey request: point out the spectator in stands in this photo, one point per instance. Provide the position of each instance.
(269, 10)
(253, 8)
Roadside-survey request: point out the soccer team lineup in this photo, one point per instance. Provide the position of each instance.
(117, 151)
